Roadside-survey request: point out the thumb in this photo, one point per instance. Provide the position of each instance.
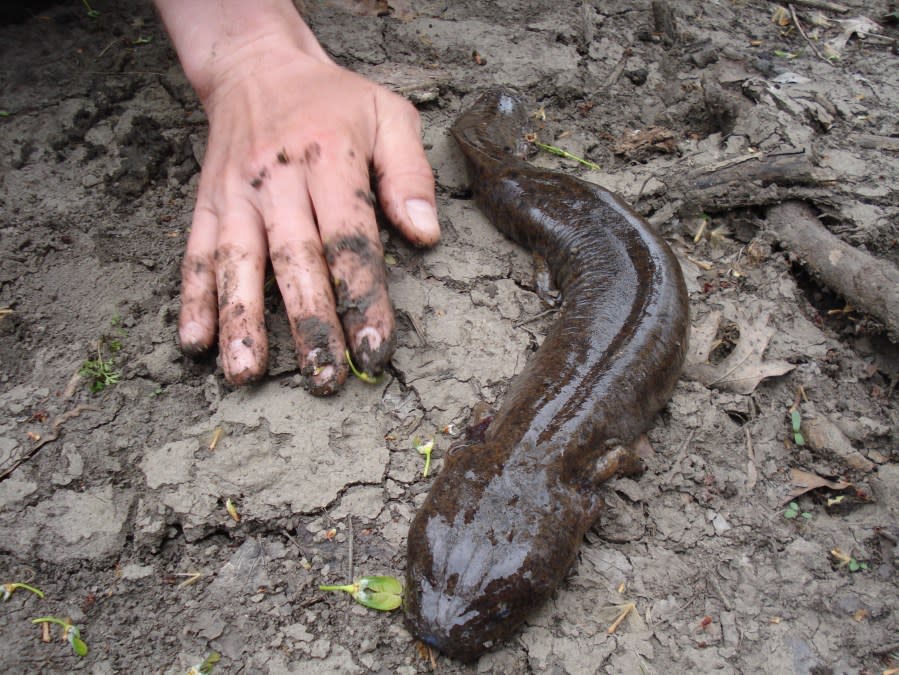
(405, 179)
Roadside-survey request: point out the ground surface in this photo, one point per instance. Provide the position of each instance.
(99, 151)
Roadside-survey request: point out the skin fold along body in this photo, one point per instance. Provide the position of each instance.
(502, 523)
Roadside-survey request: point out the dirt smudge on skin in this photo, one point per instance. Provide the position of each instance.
(366, 196)
(360, 286)
(312, 153)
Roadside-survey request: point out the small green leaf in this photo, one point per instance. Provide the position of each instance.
(381, 593)
(798, 439)
(377, 592)
(382, 584)
(806, 515)
(383, 602)
(792, 510)
(796, 420)
(79, 645)
(853, 565)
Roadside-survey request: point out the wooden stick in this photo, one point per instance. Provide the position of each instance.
(823, 4)
(807, 39)
(868, 283)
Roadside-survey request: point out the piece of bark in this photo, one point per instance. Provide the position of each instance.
(868, 283)
(748, 180)
(823, 435)
(664, 22)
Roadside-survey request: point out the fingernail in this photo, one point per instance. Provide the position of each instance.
(367, 340)
(321, 379)
(192, 335)
(240, 358)
(424, 217)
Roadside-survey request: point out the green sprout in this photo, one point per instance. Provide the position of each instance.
(91, 12)
(9, 589)
(365, 377)
(206, 666)
(796, 422)
(844, 559)
(99, 372)
(552, 149)
(70, 633)
(424, 448)
(793, 511)
(381, 593)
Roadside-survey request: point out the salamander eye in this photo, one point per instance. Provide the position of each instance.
(502, 614)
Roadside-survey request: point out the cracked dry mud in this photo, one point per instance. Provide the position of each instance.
(121, 519)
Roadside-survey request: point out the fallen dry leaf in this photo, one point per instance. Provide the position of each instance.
(861, 26)
(803, 481)
(745, 366)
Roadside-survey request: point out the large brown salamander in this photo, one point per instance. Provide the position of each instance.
(501, 525)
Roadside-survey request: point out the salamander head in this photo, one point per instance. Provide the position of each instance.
(490, 544)
(494, 127)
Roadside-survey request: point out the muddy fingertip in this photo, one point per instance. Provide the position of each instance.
(323, 375)
(371, 351)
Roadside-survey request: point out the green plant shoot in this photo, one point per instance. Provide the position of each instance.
(206, 666)
(100, 373)
(425, 449)
(70, 632)
(796, 422)
(552, 149)
(9, 589)
(793, 511)
(376, 592)
(365, 377)
(91, 12)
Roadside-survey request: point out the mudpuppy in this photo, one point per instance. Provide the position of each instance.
(503, 520)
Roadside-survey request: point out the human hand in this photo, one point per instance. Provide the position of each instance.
(291, 139)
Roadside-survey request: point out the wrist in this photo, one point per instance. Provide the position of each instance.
(212, 37)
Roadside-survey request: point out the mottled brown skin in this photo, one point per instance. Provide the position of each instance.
(502, 523)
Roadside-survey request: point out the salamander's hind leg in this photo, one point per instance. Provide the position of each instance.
(621, 460)
(543, 283)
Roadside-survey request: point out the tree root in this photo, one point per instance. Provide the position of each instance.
(868, 283)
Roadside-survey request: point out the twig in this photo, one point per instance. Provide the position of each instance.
(807, 39)
(823, 4)
(350, 545)
(752, 473)
(534, 318)
(57, 423)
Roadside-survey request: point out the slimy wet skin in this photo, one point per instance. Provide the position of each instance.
(503, 521)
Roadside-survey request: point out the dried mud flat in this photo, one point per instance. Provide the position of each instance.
(114, 503)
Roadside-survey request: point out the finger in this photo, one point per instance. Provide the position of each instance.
(337, 175)
(405, 179)
(303, 278)
(197, 320)
(240, 257)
